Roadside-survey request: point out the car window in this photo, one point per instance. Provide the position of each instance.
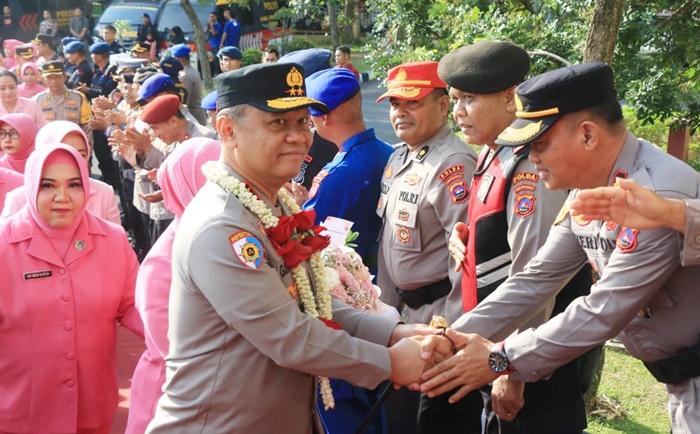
(129, 12)
(174, 15)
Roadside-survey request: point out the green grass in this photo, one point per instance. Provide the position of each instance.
(627, 382)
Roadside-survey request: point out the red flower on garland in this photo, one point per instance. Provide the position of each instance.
(296, 238)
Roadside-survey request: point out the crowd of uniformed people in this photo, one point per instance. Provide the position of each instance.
(530, 290)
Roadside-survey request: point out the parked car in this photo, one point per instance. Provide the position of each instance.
(130, 11)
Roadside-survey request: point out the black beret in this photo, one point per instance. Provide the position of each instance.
(272, 87)
(484, 67)
(544, 99)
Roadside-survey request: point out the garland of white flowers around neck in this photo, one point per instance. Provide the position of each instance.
(318, 306)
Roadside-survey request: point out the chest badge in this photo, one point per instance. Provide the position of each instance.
(412, 179)
(403, 234)
(484, 187)
(80, 245)
(389, 172)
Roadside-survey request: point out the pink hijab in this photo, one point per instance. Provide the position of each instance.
(56, 131)
(27, 130)
(180, 176)
(32, 181)
(28, 91)
(9, 46)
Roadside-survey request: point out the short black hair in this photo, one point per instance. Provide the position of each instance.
(344, 48)
(610, 112)
(111, 28)
(272, 50)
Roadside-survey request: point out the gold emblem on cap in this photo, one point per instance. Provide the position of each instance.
(520, 135)
(401, 75)
(51, 66)
(295, 80)
(518, 103)
(406, 92)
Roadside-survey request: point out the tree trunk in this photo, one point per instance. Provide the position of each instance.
(591, 395)
(333, 23)
(202, 57)
(351, 19)
(602, 33)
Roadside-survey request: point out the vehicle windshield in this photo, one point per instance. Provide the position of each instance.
(129, 12)
(173, 15)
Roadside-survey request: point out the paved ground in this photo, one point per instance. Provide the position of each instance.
(377, 114)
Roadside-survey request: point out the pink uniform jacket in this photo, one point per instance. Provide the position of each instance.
(59, 315)
(30, 108)
(9, 180)
(26, 91)
(180, 178)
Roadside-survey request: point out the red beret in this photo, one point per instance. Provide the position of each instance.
(160, 109)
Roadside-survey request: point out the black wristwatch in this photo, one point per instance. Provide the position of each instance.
(498, 359)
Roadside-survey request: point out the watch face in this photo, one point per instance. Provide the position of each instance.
(498, 361)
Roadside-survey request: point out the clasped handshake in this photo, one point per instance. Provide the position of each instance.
(437, 360)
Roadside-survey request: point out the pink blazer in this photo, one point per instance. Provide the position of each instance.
(58, 328)
(101, 202)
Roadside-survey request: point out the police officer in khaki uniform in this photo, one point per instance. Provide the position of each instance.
(510, 213)
(60, 103)
(243, 354)
(578, 141)
(424, 193)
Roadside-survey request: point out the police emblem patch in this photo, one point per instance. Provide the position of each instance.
(459, 193)
(627, 240)
(316, 183)
(403, 234)
(247, 248)
(412, 179)
(524, 204)
(388, 172)
(403, 215)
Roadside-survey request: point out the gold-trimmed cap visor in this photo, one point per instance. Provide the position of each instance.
(524, 131)
(271, 87)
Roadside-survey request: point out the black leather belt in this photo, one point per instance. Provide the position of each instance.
(677, 368)
(426, 294)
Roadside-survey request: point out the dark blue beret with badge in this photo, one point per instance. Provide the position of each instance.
(230, 51)
(99, 48)
(332, 87)
(544, 99)
(484, 67)
(312, 59)
(154, 85)
(74, 47)
(171, 66)
(271, 87)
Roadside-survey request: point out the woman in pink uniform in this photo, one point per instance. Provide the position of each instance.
(11, 102)
(67, 278)
(30, 85)
(17, 134)
(180, 178)
(102, 202)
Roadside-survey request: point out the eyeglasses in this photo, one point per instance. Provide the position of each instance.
(13, 134)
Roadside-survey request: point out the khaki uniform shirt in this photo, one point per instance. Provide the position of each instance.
(643, 292)
(691, 241)
(243, 356)
(424, 193)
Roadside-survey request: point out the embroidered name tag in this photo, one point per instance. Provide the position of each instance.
(37, 275)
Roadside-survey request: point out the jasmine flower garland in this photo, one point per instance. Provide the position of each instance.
(317, 306)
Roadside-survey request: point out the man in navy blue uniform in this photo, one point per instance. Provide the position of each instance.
(349, 186)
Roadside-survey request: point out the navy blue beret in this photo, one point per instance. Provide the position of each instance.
(180, 50)
(312, 59)
(230, 51)
(99, 48)
(332, 87)
(209, 101)
(74, 47)
(170, 66)
(154, 85)
(68, 39)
